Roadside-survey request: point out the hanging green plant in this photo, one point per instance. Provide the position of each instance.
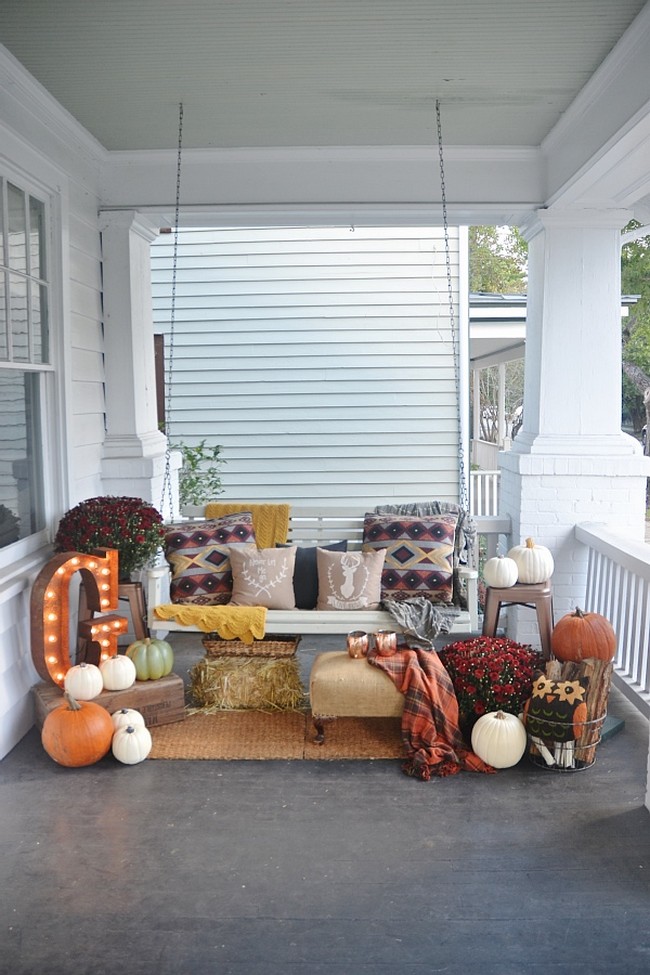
(199, 478)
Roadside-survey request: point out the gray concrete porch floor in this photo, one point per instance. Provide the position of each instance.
(326, 868)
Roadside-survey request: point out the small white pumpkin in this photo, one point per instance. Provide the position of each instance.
(118, 673)
(125, 717)
(499, 739)
(500, 572)
(131, 745)
(534, 562)
(83, 682)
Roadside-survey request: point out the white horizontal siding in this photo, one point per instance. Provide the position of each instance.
(320, 359)
(86, 432)
(82, 439)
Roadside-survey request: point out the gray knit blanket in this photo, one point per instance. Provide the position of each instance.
(421, 620)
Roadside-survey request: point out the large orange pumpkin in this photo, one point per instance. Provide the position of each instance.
(77, 733)
(581, 636)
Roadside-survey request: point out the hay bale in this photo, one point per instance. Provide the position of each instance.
(237, 683)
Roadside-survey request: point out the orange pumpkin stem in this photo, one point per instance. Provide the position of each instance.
(578, 612)
(73, 704)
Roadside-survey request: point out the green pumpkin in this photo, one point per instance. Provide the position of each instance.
(152, 658)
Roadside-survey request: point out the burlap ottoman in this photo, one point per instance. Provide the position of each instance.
(341, 686)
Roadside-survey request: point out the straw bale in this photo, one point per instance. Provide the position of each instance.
(235, 683)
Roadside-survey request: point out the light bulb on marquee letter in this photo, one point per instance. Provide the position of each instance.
(50, 608)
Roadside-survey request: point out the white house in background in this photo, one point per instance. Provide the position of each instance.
(343, 136)
(321, 359)
(497, 335)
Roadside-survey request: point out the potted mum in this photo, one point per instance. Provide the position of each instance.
(130, 525)
(489, 674)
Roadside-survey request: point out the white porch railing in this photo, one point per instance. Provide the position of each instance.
(484, 492)
(618, 587)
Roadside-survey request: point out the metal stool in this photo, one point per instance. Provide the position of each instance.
(537, 596)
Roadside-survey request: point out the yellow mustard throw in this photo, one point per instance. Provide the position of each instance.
(245, 623)
(270, 521)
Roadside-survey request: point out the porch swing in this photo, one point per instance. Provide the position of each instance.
(166, 496)
(318, 527)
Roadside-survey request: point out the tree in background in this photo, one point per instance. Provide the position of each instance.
(498, 264)
(635, 280)
(498, 261)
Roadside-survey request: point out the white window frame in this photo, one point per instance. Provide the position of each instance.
(53, 412)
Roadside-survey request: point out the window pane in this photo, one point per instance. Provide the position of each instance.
(40, 331)
(4, 353)
(17, 229)
(18, 313)
(2, 228)
(37, 238)
(21, 461)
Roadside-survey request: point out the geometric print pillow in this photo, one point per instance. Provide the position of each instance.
(419, 555)
(199, 558)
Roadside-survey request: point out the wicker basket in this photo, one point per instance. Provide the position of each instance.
(569, 748)
(271, 646)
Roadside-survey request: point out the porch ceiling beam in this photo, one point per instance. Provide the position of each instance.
(367, 184)
(597, 154)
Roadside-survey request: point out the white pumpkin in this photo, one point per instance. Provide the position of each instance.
(83, 682)
(500, 572)
(118, 673)
(131, 745)
(534, 562)
(499, 739)
(125, 717)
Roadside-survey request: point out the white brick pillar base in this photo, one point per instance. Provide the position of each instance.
(134, 448)
(571, 462)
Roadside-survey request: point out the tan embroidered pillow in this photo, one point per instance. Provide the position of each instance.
(349, 580)
(263, 577)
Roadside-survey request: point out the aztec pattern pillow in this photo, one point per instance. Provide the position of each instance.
(305, 573)
(263, 577)
(349, 580)
(199, 558)
(419, 555)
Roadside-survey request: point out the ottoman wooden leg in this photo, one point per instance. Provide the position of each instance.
(319, 725)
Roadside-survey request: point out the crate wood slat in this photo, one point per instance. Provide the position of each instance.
(159, 701)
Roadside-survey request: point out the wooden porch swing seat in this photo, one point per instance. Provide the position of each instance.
(316, 526)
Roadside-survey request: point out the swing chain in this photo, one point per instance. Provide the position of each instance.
(167, 493)
(462, 483)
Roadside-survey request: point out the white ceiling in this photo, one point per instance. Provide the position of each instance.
(314, 72)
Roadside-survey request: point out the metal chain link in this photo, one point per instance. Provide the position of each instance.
(462, 483)
(167, 479)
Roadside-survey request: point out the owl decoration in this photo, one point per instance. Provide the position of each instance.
(557, 709)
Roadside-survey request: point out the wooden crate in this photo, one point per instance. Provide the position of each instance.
(159, 701)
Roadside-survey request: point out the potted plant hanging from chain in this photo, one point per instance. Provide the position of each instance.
(130, 525)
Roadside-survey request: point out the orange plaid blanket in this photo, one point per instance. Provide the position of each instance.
(432, 739)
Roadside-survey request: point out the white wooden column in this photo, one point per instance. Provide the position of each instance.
(134, 448)
(571, 462)
(501, 405)
(476, 404)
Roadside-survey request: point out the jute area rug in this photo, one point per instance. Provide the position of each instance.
(258, 735)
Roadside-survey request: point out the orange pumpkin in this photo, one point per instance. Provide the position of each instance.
(581, 636)
(77, 733)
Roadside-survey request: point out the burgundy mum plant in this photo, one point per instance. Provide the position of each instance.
(490, 674)
(130, 525)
